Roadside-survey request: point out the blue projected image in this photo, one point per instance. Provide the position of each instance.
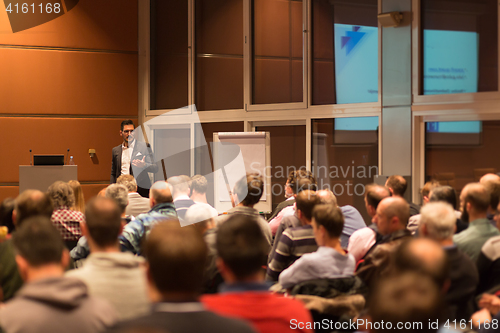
(454, 127)
(356, 124)
(450, 62)
(356, 63)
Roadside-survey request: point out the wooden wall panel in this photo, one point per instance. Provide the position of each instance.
(58, 82)
(8, 192)
(55, 136)
(272, 28)
(93, 24)
(272, 81)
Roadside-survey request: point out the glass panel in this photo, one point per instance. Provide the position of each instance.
(288, 153)
(203, 157)
(169, 54)
(344, 51)
(345, 158)
(277, 51)
(460, 152)
(219, 54)
(460, 46)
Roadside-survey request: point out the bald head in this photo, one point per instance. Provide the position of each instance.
(423, 255)
(373, 195)
(397, 185)
(489, 177)
(476, 198)
(160, 193)
(31, 203)
(392, 215)
(326, 197)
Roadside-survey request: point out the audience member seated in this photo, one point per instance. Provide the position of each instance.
(162, 208)
(79, 205)
(330, 261)
(119, 194)
(448, 195)
(353, 220)
(474, 201)
(199, 187)
(363, 239)
(242, 250)
(488, 262)
(27, 204)
(301, 180)
(293, 221)
(176, 259)
(488, 315)
(289, 195)
(391, 219)
(179, 186)
(247, 193)
(492, 184)
(67, 221)
(50, 302)
(295, 242)
(136, 203)
(409, 299)
(414, 220)
(397, 185)
(6, 209)
(115, 276)
(202, 217)
(438, 223)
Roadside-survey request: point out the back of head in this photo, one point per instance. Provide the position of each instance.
(199, 184)
(398, 207)
(397, 184)
(326, 197)
(428, 187)
(303, 180)
(61, 194)
(330, 217)
(31, 203)
(477, 195)
(103, 220)
(489, 177)
(242, 245)
(78, 193)
(409, 299)
(424, 256)
(119, 194)
(306, 200)
(38, 242)
(160, 192)
(439, 219)
(128, 181)
(375, 193)
(6, 209)
(176, 257)
(180, 185)
(493, 188)
(444, 194)
(249, 189)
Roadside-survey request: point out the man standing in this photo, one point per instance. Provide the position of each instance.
(132, 154)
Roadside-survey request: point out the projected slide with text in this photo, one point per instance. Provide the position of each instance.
(450, 62)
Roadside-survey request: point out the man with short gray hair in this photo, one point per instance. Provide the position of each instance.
(136, 203)
(162, 208)
(438, 222)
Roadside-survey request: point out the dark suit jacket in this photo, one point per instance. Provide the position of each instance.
(141, 175)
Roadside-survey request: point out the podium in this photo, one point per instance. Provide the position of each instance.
(40, 177)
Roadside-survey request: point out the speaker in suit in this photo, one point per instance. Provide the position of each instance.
(142, 153)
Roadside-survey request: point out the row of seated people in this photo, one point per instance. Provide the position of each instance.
(236, 247)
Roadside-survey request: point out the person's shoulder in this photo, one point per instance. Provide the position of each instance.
(117, 148)
(218, 323)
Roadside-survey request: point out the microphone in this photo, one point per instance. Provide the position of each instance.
(31, 158)
(67, 155)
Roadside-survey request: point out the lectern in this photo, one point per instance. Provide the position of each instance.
(40, 177)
